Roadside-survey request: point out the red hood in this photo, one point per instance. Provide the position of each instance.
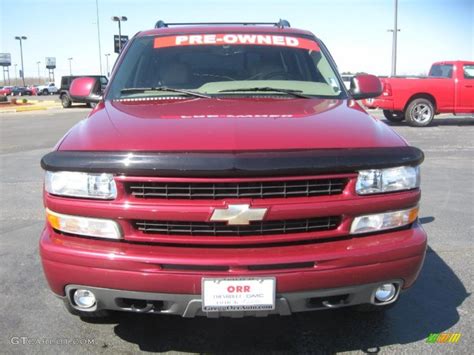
(229, 124)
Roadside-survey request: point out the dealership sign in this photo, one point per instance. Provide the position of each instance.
(50, 62)
(5, 59)
(124, 40)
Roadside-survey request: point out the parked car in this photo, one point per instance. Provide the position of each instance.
(47, 89)
(448, 88)
(227, 171)
(21, 91)
(33, 89)
(6, 90)
(66, 81)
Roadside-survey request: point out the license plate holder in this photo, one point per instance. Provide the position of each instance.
(238, 294)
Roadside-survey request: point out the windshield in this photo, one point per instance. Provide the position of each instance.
(223, 65)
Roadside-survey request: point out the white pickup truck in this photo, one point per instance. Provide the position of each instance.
(47, 89)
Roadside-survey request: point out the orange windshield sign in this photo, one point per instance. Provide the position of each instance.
(235, 39)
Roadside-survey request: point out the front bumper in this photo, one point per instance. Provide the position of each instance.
(129, 267)
(190, 306)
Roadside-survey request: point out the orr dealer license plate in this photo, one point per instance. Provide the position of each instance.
(238, 294)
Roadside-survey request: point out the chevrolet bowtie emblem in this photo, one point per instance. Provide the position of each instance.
(238, 214)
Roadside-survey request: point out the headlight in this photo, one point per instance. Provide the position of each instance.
(382, 221)
(90, 227)
(75, 184)
(376, 181)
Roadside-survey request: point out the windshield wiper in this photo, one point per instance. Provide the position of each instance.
(165, 88)
(295, 93)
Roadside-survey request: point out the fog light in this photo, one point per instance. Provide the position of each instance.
(84, 298)
(385, 292)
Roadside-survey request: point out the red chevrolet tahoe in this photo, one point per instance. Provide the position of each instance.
(226, 171)
(448, 88)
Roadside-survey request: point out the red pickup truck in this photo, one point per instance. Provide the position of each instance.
(227, 171)
(448, 88)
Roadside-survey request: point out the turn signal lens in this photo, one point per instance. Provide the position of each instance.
(383, 221)
(90, 227)
(387, 89)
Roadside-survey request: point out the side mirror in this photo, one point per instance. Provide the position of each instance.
(86, 89)
(365, 86)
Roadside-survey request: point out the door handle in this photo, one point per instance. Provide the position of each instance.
(468, 86)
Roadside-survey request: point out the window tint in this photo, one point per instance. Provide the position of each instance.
(442, 71)
(213, 68)
(185, 68)
(468, 71)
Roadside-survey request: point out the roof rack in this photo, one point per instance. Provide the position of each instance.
(280, 24)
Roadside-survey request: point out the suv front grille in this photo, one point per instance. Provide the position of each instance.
(225, 190)
(253, 229)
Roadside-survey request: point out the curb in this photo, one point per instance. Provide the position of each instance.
(47, 102)
(28, 108)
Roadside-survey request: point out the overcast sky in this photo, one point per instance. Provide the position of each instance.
(354, 31)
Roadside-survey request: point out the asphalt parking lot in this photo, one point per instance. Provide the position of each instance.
(439, 302)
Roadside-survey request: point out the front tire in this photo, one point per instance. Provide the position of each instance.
(45, 92)
(420, 112)
(66, 101)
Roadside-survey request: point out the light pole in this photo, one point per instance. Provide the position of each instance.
(119, 19)
(16, 73)
(21, 39)
(394, 40)
(98, 34)
(39, 76)
(70, 67)
(107, 55)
